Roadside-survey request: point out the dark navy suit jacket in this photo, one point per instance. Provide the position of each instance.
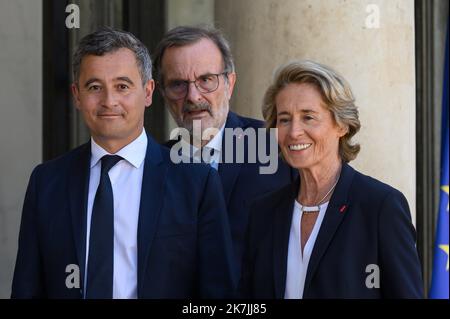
(242, 182)
(183, 239)
(367, 222)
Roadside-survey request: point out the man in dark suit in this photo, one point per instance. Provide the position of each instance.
(195, 72)
(116, 218)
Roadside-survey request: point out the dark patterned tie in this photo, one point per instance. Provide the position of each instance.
(101, 239)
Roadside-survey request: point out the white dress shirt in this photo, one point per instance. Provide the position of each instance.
(297, 264)
(126, 181)
(214, 144)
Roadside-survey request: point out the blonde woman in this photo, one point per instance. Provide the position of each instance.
(333, 233)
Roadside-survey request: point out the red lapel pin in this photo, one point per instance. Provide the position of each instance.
(342, 209)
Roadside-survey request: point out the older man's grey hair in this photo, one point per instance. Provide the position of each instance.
(186, 35)
(108, 40)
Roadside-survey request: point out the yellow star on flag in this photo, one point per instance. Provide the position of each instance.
(445, 189)
(445, 249)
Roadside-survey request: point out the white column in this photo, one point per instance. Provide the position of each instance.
(20, 119)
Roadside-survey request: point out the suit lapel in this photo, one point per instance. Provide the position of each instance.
(228, 174)
(282, 225)
(333, 217)
(78, 187)
(152, 195)
(229, 171)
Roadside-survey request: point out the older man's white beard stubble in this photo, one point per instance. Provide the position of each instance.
(201, 131)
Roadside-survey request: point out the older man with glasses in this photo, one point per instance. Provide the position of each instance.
(196, 76)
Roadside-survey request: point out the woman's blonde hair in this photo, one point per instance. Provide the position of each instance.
(335, 92)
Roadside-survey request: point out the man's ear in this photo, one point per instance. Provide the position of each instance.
(231, 81)
(149, 87)
(76, 94)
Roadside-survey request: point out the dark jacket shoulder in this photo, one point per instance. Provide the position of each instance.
(61, 165)
(247, 121)
(371, 190)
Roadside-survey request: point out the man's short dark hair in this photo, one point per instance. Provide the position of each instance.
(186, 35)
(108, 40)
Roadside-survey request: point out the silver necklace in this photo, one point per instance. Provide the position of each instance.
(316, 208)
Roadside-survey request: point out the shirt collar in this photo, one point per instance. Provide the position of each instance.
(215, 143)
(134, 153)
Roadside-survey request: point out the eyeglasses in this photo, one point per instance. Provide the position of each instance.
(178, 89)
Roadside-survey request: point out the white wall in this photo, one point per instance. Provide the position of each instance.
(20, 119)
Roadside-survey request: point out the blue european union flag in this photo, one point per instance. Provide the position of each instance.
(439, 283)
